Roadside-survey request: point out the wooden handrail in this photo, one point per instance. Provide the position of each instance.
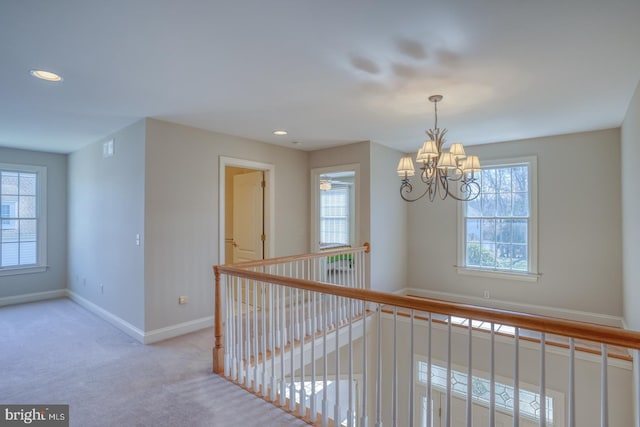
(366, 247)
(568, 328)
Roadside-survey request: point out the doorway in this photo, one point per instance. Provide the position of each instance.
(246, 217)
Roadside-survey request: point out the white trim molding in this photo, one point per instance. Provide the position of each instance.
(33, 297)
(532, 275)
(270, 180)
(563, 313)
(116, 321)
(136, 333)
(178, 329)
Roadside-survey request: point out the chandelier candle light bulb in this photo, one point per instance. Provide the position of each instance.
(440, 168)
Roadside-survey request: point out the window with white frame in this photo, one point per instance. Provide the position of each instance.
(22, 210)
(334, 215)
(497, 230)
(503, 397)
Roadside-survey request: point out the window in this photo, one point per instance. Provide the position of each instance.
(22, 209)
(498, 229)
(6, 210)
(481, 392)
(334, 207)
(334, 215)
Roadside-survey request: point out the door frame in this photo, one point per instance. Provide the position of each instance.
(269, 213)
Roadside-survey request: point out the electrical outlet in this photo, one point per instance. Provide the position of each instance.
(183, 299)
(487, 295)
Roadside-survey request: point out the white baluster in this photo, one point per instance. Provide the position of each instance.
(447, 417)
(365, 373)
(572, 383)
(516, 378)
(256, 388)
(263, 318)
(492, 375)
(303, 397)
(292, 387)
(394, 389)
(272, 318)
(543, 387)
(379, 370)
(604, 400)
(325, 397)
(314, 329)
(350, 411)
(283, 335)
(228, 337)
(337, 410)
(470, 374)
(411, 374)
(429, 395)
(240, 367)
(247, 336)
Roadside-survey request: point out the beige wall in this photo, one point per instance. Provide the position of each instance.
(16, 288)
(383, 215)
(106, 211)
(181, 222)
(579, 228)
(389, 231)
(630, 154)
(345, 155)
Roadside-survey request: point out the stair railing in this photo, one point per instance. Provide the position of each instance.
(339, 354)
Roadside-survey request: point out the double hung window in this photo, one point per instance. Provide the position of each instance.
(498, 229)
(22, 214)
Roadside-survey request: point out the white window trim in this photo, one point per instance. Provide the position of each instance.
(41, 207)
(532, 275)
(557, 396)
(315, 213)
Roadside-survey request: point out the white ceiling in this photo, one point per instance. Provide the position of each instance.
(329, 71)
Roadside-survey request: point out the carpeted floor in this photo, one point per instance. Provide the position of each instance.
(56, 352)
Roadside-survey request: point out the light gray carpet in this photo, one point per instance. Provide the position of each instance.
(57, 352)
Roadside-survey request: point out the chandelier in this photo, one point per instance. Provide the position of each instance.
(440, 171)
(325, 183)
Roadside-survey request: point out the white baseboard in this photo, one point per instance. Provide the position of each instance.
(136, 333)
(116, 321)
(576, 315)
(33, 297)
(177, 330)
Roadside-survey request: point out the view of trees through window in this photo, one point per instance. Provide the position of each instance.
(497, 222)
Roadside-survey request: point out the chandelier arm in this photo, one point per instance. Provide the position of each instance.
(407, 188)
(443, 188)
(472, 189)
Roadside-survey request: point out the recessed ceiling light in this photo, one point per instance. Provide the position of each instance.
(46, 75)
(280, 132)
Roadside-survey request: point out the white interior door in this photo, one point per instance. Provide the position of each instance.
(248, 216)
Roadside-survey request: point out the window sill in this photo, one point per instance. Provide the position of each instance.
(493, 274)
(13, 271)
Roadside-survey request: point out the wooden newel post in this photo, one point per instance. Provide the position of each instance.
(218, 350)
